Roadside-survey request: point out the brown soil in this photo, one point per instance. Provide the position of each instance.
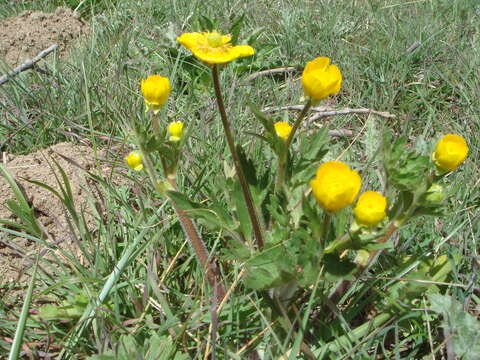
(24, 36)
(16, 253)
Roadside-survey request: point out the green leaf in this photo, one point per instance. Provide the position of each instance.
(336, 268)
(406, 168)
(314, 148)
(236, 27)
(242, 212)
(269, 268)
(236, 250)
(464, 328)
(196, 210)
(205, 23)
(248, 167)
(264, 119)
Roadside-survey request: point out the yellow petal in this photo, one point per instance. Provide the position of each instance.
(335, 185)
(370, 209)
(213, 47)
(190, 40)
(320, 63)
(450, 152)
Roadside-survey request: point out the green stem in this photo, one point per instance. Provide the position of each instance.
(282, 158)
(327, 219)
(209, 265)
(359, 333)
(297, 123)
(236, 161)
(156, 124)
(282, 163)
(287, 325)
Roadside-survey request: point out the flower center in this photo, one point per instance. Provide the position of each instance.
(214, 39)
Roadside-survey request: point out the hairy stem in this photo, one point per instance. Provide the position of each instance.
(208, 264)
(236, 161)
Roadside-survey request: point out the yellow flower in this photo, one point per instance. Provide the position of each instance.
(283, 129)
(213, 47)
(134, 160)
(175, 130)
(155, 90)
(450, 152)
(370, 209)
(320, 79)
(335, 185)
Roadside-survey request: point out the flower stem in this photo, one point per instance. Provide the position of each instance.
(327, 219)
(298, 122)
(236, 161)
(282, 163)
(282, 158)
(209, 264)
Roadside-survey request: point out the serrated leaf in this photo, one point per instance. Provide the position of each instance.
(464, 327)
(337, 268)
(196, 210)
(242, 212)
(372, 138)
(406, 168)
(248, 167)
(313, 148)
(266, 276)
(236, 27)
(264, 119)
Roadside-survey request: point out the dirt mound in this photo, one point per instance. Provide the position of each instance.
(24, 36)
(50, 212)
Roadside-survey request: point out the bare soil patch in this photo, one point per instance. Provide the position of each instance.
(51, 213)
(24, 36)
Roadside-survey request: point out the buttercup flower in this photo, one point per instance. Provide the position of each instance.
(283, 129)
(175, 129)
(370, 209)
(155, 90)
(450, 152)
(335, 185)
(134, 160)
(213, 47)
(321, 79)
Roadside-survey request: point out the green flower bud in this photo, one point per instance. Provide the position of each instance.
(435, 194)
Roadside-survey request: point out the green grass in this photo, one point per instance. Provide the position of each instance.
(94, 94)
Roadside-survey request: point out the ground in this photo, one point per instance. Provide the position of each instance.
(24, 36)
(21, 38)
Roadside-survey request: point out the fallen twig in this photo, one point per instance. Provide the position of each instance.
(323, 111)
(272, 109)
(337, 133)
(270, 71)
(27, 64)
(350, 111)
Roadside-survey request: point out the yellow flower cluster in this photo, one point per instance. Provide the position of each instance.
(213, 47)
(450, 152)
(335, 186)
